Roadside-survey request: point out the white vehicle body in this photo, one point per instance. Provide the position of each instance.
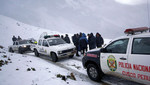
(126, 57)
(129, 58)
(20, 46)
(53, 45)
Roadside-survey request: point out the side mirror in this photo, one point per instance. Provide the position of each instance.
(103, 50)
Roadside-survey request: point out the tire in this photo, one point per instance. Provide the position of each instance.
(36, 53)
(20, 50)
(94, 72)
(54, 57)
(71, 56)
(11, 50)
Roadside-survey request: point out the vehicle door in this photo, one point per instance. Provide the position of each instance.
(113, 58)
(40, 47)
(45, 47)
(139, 57)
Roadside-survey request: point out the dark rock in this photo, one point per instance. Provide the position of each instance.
(28, 69)
(63, 78)
(1, 47)
(33, 69)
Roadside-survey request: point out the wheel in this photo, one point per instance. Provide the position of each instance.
(71, 56)
(20, 50)
(54, 57)
(36, 53)
(11, 50)
(94, 72)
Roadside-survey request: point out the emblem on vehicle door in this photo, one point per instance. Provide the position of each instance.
(111, 62)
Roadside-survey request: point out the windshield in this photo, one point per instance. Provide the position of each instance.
(24, 42)
(56, 41)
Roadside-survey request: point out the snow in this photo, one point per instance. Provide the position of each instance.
(16, 71)
(26, 69)
(44, 74)
(10, 27)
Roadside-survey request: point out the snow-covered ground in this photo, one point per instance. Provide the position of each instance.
(26, 69)
(31, 70)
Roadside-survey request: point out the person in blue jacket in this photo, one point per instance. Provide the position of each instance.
(83, 43)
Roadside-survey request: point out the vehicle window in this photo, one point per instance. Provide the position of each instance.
(56, 41)
(141, 46)
(119, 46)
(40, 42)
(45, 43)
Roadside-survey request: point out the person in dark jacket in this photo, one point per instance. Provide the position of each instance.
(99, 40)
(75, 39)
(14, 39)
(92, 41)
(19, 38)
(62, 37)
(83, 43)
(67, 39)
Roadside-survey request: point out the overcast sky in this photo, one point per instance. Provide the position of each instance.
(108, 17)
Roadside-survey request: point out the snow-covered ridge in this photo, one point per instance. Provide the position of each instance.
(10, 27)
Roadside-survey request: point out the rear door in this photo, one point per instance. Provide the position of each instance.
(114, 59)
(139, 58)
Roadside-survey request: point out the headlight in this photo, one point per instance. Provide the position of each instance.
(59, 52)
(24, 46)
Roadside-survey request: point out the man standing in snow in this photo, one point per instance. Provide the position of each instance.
(83, 43)
(67, 39)
(92, 41)
(75, 39)
(14, 39)
(99, 40)
(19, 38)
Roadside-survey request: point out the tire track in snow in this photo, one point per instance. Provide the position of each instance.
(60, 64)
(107, 79)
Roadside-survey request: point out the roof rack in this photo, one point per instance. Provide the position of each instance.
(134, 31)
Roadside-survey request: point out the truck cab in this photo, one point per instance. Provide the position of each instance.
(126, 57)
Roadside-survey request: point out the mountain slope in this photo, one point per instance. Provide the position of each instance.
(10, 27)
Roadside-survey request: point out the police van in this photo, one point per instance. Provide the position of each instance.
(53, 46)
(126, 57)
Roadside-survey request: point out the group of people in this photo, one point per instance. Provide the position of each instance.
(66, 38)
(81, 42)
(15, 38)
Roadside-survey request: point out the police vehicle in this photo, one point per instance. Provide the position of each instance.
(53, 46)
(126, 57)
(21, 46)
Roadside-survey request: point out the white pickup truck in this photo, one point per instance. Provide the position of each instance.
(21, 46)
(54, 46)
(126, 57)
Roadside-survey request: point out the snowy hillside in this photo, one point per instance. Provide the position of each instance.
(10, 27)
(74, 16)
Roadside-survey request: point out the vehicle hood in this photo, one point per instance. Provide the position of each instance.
(63, 47)
(94, 51)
